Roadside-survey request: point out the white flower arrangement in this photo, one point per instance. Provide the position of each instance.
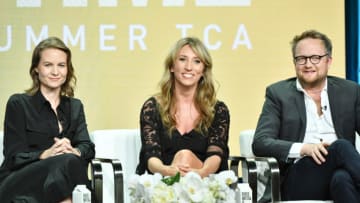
(190, 188)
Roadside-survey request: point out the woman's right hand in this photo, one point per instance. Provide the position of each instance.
(155, 165)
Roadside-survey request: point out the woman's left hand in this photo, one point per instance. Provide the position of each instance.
(185, 169)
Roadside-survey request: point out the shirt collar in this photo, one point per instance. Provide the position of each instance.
(40, 102)
(301, 89)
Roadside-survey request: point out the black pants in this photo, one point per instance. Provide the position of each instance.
(45, 181)
(337, 179)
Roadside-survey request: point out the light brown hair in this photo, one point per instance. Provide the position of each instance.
(67, 89)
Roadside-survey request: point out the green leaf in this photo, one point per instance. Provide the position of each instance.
(172, 179)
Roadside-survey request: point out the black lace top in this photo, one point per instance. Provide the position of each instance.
(157, 143)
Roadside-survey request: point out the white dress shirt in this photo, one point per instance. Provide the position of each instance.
(319, 128)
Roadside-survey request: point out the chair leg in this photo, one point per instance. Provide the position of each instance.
(234, 166)
(249, 172)
(249, 165)
(275, 179)
(97, 180)
(118, 181)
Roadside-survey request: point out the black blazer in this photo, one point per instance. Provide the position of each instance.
(283, 118)
(30, 127)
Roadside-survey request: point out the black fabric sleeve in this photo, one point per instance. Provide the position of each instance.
(81, 139)
(150, 130)
(16, 150)
(219, 133)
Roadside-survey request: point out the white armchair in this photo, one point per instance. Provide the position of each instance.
(264, 177)
(116, 158)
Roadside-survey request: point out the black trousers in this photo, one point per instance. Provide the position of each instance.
(337, 179)
(45, 181)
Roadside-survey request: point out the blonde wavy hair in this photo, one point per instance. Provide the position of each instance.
(205, 96)
(67, 89)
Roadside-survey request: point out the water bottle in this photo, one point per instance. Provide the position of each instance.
(81, 194)
(243, 193)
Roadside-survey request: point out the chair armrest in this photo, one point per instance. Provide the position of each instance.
(97, 178)
(250, 173)
(248, 166)
(274, 176)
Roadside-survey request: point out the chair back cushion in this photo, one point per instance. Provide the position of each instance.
(245, 141)
(122, 144)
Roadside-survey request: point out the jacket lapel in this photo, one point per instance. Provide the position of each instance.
(334, 102)
(298, 100)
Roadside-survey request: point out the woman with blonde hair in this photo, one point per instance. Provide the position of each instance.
(185, 127)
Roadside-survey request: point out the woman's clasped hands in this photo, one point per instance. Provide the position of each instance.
(60, 146)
